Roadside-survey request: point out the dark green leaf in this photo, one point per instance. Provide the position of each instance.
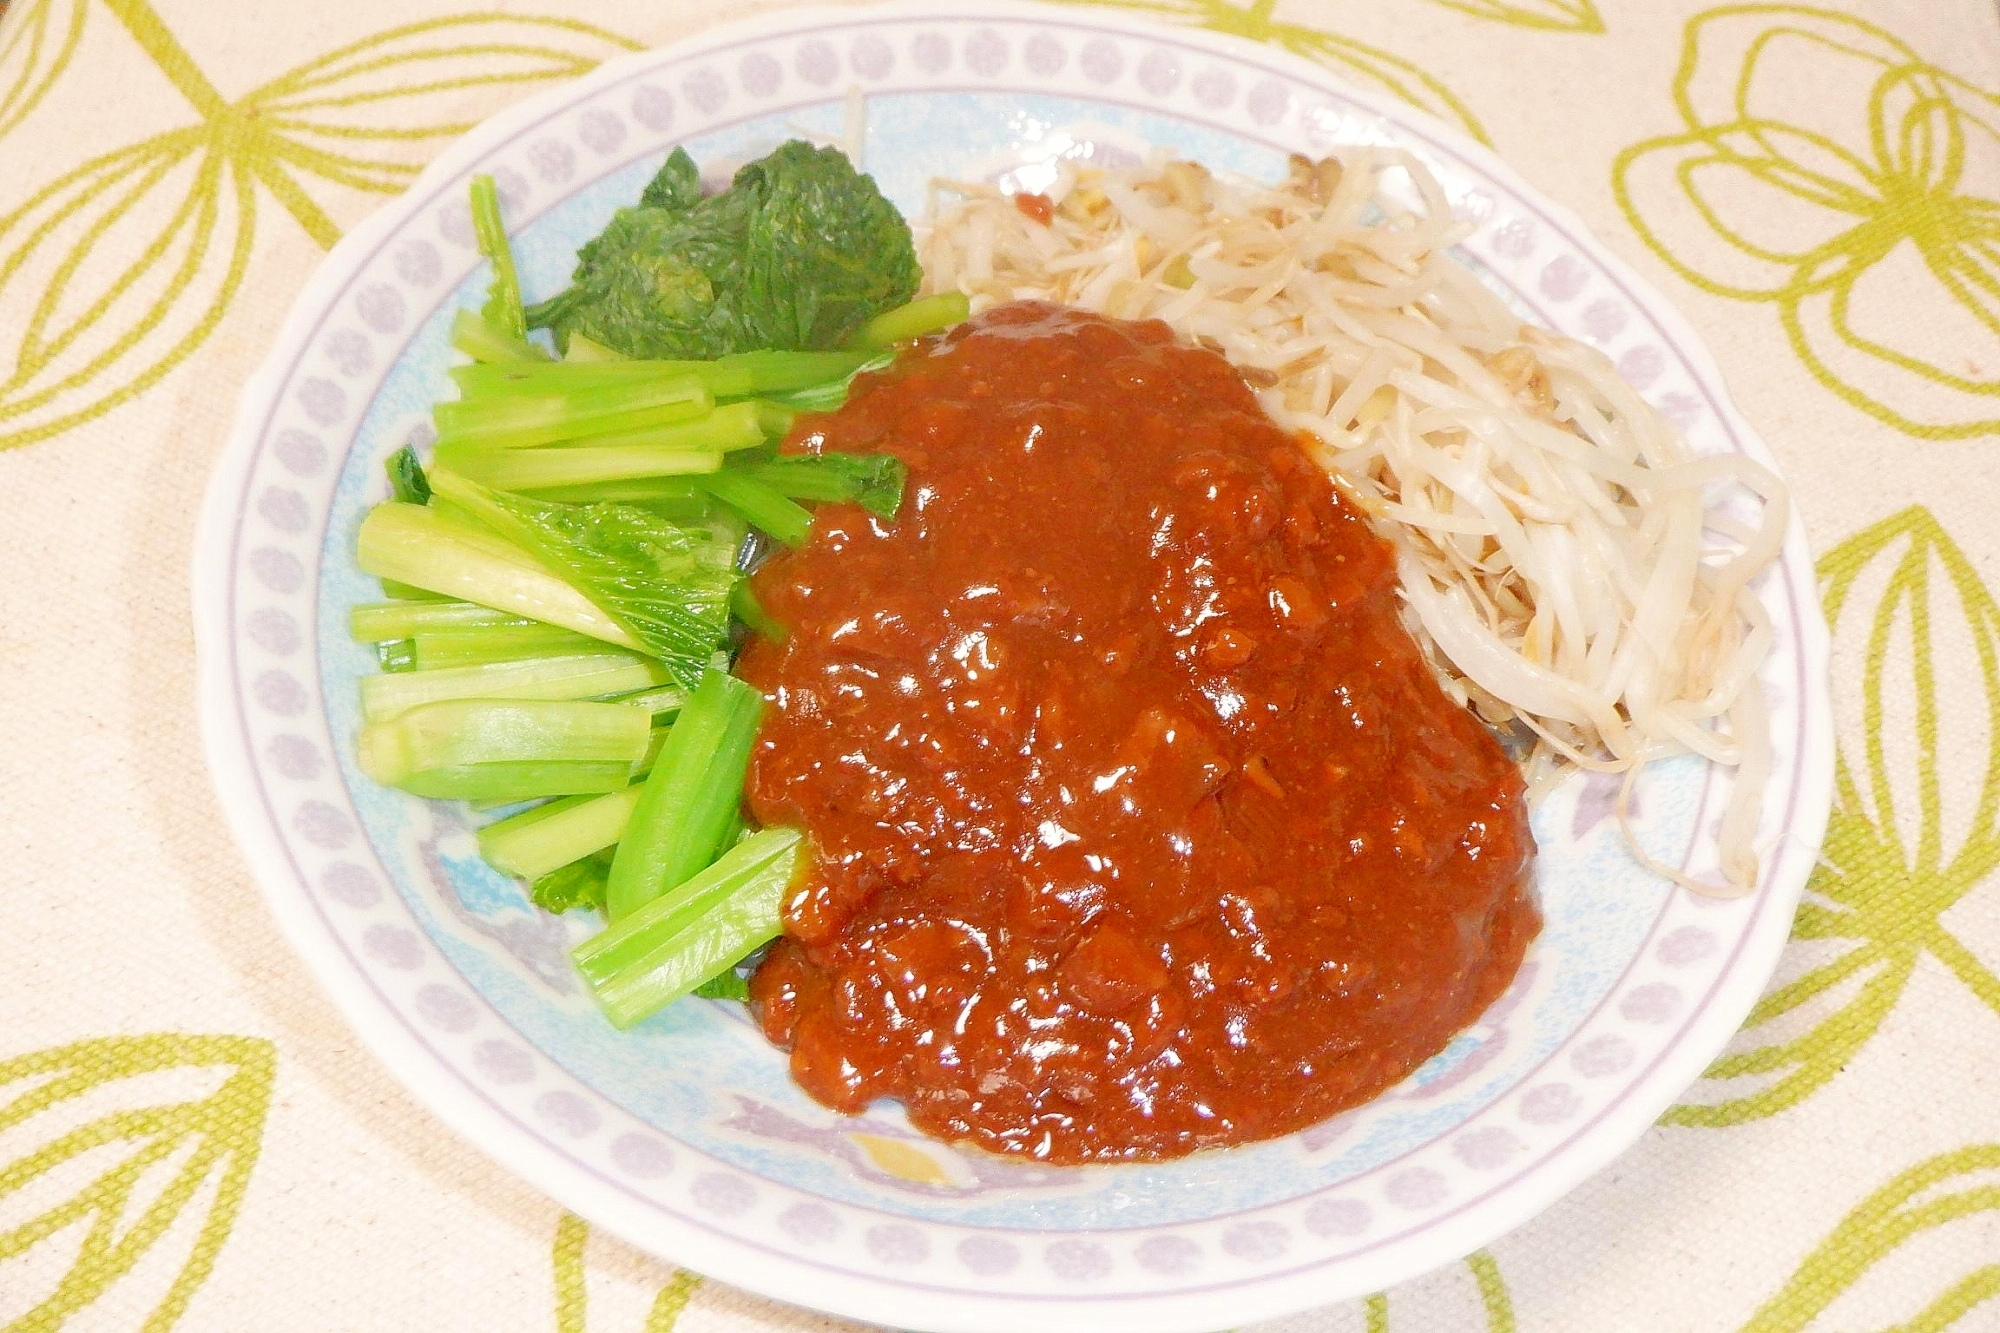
(728, 985)
(798, 253)
(873, 481)
(752, 613)
(677, 187)
(406, 477)
(578, 884)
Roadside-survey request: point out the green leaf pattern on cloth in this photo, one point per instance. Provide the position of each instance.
(205, 1147)
(1826, 167)
(1897, 855)
(1955, 1191)
(34, 51)
(1560, 15)
(573, 1297)
(123, 266)
(1495, 1308)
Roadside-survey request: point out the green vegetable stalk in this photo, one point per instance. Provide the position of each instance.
(701, 929)
(378, 622)
(517, 420)
(476, 645)
(503, 300)
(760, 505)
(579, 676)
(406, 477)
(506, 782)
(479, 340)
(538, 842)
(429, 547)
(932, 314)
(675, 499)
(577, 465)
(693, 793)
(460, 732)
(667, 586)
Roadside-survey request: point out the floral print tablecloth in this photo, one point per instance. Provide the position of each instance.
(190, 1138)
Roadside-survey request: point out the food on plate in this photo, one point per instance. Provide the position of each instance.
(798, 252)
(1549, 523)
(1139, 823)
(567, 567)
(1129, 680)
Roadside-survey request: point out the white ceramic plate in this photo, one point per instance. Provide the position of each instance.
(685, 1136)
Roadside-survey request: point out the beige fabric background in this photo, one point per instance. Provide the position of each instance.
(1859, 1195)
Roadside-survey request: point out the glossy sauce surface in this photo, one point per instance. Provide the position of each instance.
(1140, 824)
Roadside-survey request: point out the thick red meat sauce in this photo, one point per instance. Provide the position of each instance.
(1139, 824)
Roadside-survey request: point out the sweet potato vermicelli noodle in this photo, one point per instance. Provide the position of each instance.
(1563, 559)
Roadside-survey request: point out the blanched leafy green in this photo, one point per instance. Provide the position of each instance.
(667, 584)
(503, 296)
(406, 477)
(770, 512)
(697, 330)
(677, 186)
(873, 481)
(728, 985)
(932, 314)
(799, 252)
(578, 884)
(693, 932)
(690, 800)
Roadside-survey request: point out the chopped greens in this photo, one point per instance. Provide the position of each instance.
(799, 252)
(565, 569)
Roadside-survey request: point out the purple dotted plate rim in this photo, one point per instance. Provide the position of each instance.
(777, 1270)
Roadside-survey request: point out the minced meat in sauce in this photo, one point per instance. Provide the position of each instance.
(1139, 824)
